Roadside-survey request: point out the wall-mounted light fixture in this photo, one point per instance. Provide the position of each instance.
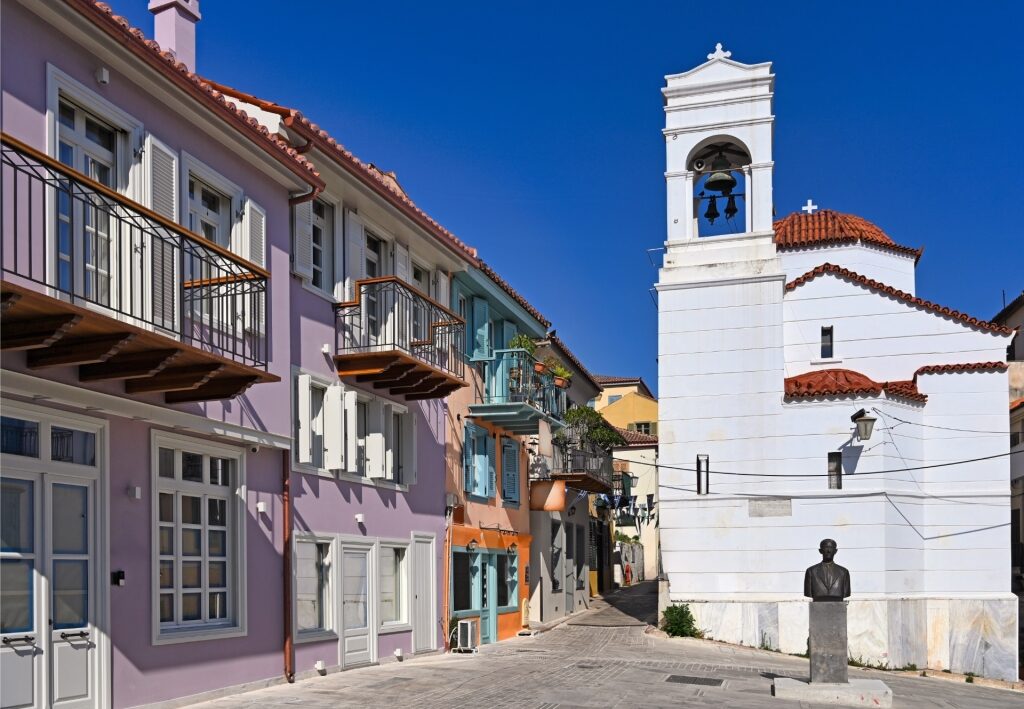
(513, 548)
(865, 424)
(703, 473)
(472, 544)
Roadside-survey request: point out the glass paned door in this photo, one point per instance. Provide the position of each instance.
(86, 249)
(356, 610)
(48, 654)
(21, 647)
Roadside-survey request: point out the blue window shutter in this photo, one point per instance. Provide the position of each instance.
(481, 322)
(467, 457)
(510, 470)
(509, 332)
(491, 466)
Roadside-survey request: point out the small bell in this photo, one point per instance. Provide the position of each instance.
(712, 213)
(730, 207)
(721, 180)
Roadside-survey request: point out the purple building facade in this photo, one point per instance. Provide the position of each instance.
(223, 380)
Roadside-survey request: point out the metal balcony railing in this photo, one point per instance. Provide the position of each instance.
(513, 378)
(584, 459)
(389, 315)
(78, 240)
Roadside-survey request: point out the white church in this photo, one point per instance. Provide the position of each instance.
(807, 392)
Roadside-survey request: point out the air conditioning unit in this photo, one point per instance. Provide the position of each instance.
(465, 640)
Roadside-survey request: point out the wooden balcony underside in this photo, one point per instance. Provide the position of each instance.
(56, 333)
(582, 480)
(397, 373)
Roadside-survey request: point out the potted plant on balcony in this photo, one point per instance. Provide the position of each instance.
(562, 375)
(519, 342)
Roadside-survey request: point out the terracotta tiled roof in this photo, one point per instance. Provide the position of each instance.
(831, 269)
(503, 284)
(149, 51)
(383, 183)
(969, 367)
(845, 382)
(1009, 309)
(560, 344)
(829, 227)
(1016, 404)
(635, 438)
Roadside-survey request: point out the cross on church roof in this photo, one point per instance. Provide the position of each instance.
(809, 207)
(718, 53)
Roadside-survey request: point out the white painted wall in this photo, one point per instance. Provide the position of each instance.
(891, 268)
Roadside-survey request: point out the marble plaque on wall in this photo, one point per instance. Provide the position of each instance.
(770, 507)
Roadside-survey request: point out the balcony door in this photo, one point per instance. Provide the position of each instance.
(48, 609)
(86, 251)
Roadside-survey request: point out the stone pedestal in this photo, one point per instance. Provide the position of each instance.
(857, 693)
(828, 642)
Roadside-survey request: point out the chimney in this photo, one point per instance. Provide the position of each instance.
(174, 24)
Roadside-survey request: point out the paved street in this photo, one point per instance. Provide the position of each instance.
(602, 658)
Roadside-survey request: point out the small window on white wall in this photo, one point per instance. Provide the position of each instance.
(312, 587)
(827, 349)
(835, 471)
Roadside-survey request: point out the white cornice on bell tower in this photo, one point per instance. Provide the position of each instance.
(720, 101)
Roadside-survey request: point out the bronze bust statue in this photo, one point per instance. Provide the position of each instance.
(827, 581)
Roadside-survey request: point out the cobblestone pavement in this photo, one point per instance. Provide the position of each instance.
(603, 658)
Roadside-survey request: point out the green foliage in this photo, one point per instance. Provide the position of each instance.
(522, 342)
(593, 427)
(558, 370)
(620, 537)
(678, 622)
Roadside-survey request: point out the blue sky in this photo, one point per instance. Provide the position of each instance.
(532, 130)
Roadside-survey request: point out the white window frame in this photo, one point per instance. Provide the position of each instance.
(404, 622)
(409, 471)
(331, 592)
(237, 549)
(334, 290)
(323, 382)
(193, 166)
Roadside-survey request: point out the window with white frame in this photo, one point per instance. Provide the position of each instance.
(197, 531)
(323, 246)
(310, 412)
(362, 428)
(392, 585)
(313, 587)
(835, 470)
(209, 212)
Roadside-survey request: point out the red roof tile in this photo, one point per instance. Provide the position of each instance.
(845, 382)
(148, 50)
(503, 284)
(611, 380)
(829, 227)
(970, 367)
(637, 439)
(383, 183)
(1016, 404)
(839, 271)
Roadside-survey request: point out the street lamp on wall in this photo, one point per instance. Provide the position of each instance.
(513, 548)
(472, 544)
(865, 424)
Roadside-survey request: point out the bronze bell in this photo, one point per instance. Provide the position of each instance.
(730, 207)
(720, 180)
(712, 213)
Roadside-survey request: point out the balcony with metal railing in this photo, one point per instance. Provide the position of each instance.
(519, 393)
(583, 466)
(93, 279)
(399, 339)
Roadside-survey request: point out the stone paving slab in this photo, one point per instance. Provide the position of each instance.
(592, 666)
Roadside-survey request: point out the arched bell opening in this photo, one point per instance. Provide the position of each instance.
(721, 188)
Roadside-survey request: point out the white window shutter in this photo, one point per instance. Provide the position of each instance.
(403, 263)
(255, 233)
(355, 258)
(442, 289)
(334, 434)
(409, 447)
(375, 450)
(303, 382)
(351, 430)
(302, 239)
(161, 171)
(388, 427)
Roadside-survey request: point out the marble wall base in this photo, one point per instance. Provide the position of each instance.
(961, 635)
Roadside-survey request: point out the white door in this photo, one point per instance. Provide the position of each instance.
(48, 654)
(423, 623)
(359, 636)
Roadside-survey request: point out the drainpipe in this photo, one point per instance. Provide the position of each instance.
(445, 613)
(286, 521)
(307, 197)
